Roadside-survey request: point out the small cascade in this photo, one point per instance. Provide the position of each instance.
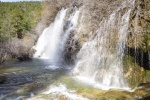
(100, 60)
(52, 41)
(71, 25)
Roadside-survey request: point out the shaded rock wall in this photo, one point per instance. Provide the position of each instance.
(137, 59)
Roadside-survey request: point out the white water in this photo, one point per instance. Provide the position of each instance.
(101, 59)
(48, 42)
(52, 41)
(59, 92)
(62, 90)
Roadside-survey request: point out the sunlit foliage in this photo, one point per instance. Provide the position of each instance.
(18, 18)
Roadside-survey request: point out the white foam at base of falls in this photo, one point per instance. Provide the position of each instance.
(53, 67)
(62, 90)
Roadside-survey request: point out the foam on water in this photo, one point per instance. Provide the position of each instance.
(62, 90)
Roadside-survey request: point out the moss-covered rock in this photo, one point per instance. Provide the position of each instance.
(91, 93)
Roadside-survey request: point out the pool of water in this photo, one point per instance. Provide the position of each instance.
(36, 74)
(38, 79)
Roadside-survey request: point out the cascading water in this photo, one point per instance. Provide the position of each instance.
(101, 59)
(48, 42)
(51, 43)
(100, 62)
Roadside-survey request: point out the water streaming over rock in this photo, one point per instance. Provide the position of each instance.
(48, 42)
(99, 63)
(101, 59)
(62, 91)
(52, 41)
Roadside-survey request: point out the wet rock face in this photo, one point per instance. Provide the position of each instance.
(138, 46)
(71, 49)
(140, 26)
(2, 79)
(144, 85)
(140, 57)
(24, 57)
(145, 98)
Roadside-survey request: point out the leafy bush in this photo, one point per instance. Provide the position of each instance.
(18, 18)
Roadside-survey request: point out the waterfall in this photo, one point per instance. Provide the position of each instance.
(52, 41)
(48, 42)
(100, 60)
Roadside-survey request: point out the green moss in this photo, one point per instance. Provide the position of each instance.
(72, 84)
(87, 90)
(134, 73)
(147, 75)
(31, 87)
(91, 93)
(145, 45)
(113, 98)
